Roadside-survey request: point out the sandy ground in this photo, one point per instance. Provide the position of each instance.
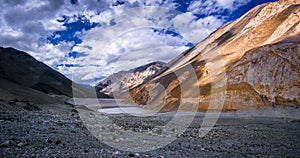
(48, 132)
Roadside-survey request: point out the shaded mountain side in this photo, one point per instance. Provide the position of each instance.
(121, 81)
(22, 69)
(24, 78)
(252, 62)
(10, 91)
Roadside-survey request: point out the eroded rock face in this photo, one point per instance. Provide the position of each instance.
(249, 63)
(124, 80)
(272, 71)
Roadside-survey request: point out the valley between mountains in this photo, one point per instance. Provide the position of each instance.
(244, 77)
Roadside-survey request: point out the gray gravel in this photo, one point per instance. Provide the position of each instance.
(46, 133)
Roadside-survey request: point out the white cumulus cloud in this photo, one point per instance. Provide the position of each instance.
(129, 33)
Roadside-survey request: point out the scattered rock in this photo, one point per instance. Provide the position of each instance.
(131, 155)
(57, 142)
(20, 144)
(6, 143)
(49, 141)
(74, 110)
(137, 154)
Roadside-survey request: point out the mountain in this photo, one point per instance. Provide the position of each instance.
(23, 78)
(252, 62)
(121, 81)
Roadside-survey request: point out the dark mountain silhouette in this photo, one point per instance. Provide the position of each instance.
(24, 78)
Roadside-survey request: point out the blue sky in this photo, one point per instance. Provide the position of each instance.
(89, 40)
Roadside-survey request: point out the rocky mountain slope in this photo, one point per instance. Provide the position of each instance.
(23, 78)
(249, 63)
(121, 81)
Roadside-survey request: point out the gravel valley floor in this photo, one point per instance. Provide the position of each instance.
(48, 133)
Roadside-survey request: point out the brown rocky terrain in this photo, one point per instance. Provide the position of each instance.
(252, 62)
